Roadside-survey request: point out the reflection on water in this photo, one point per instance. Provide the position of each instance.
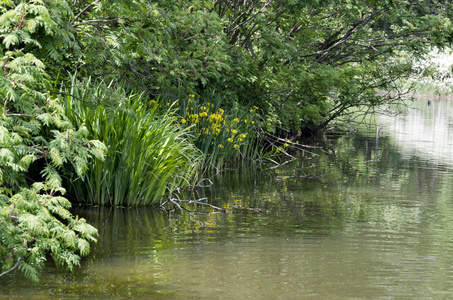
(424, 131)
(368, 222)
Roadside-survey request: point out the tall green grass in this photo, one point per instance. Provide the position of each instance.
(148, 155)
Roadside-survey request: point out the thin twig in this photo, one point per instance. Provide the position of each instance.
(283, 163)
(15, 266)
(202, 201)
(85, 9)
(19, 115)
(75, 97)
(4, 67)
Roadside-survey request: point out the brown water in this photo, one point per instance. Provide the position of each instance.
(373, 221)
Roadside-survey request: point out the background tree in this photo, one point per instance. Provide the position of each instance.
(306, 63)
(157, 47)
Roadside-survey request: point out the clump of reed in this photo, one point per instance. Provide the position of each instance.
(148, 154)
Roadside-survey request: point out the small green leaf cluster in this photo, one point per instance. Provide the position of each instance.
(34, 218)
(34, 224)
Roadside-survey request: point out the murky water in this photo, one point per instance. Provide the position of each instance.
(375, 220)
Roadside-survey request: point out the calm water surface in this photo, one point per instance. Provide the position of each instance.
(374, 220)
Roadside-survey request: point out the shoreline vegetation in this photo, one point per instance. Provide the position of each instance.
(433, 75)
(124, 103)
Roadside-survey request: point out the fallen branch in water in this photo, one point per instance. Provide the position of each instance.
(275, 140)
(278, 165)
(202, 201)
(175, 204)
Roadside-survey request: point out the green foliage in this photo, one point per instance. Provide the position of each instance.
(148, 155)
(292, 59)
(156, 45)
(34, 133)
(222, 137)
(307, 63)
(303, 64)
(34, 224)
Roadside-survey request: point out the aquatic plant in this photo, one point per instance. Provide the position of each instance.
(148, 155)
(223, 137)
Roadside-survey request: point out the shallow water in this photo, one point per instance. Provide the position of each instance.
(372, 221)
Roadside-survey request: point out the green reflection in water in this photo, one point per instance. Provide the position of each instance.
(369, 221)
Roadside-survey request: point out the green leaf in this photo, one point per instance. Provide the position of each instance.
(10, 39)
(56, 157)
